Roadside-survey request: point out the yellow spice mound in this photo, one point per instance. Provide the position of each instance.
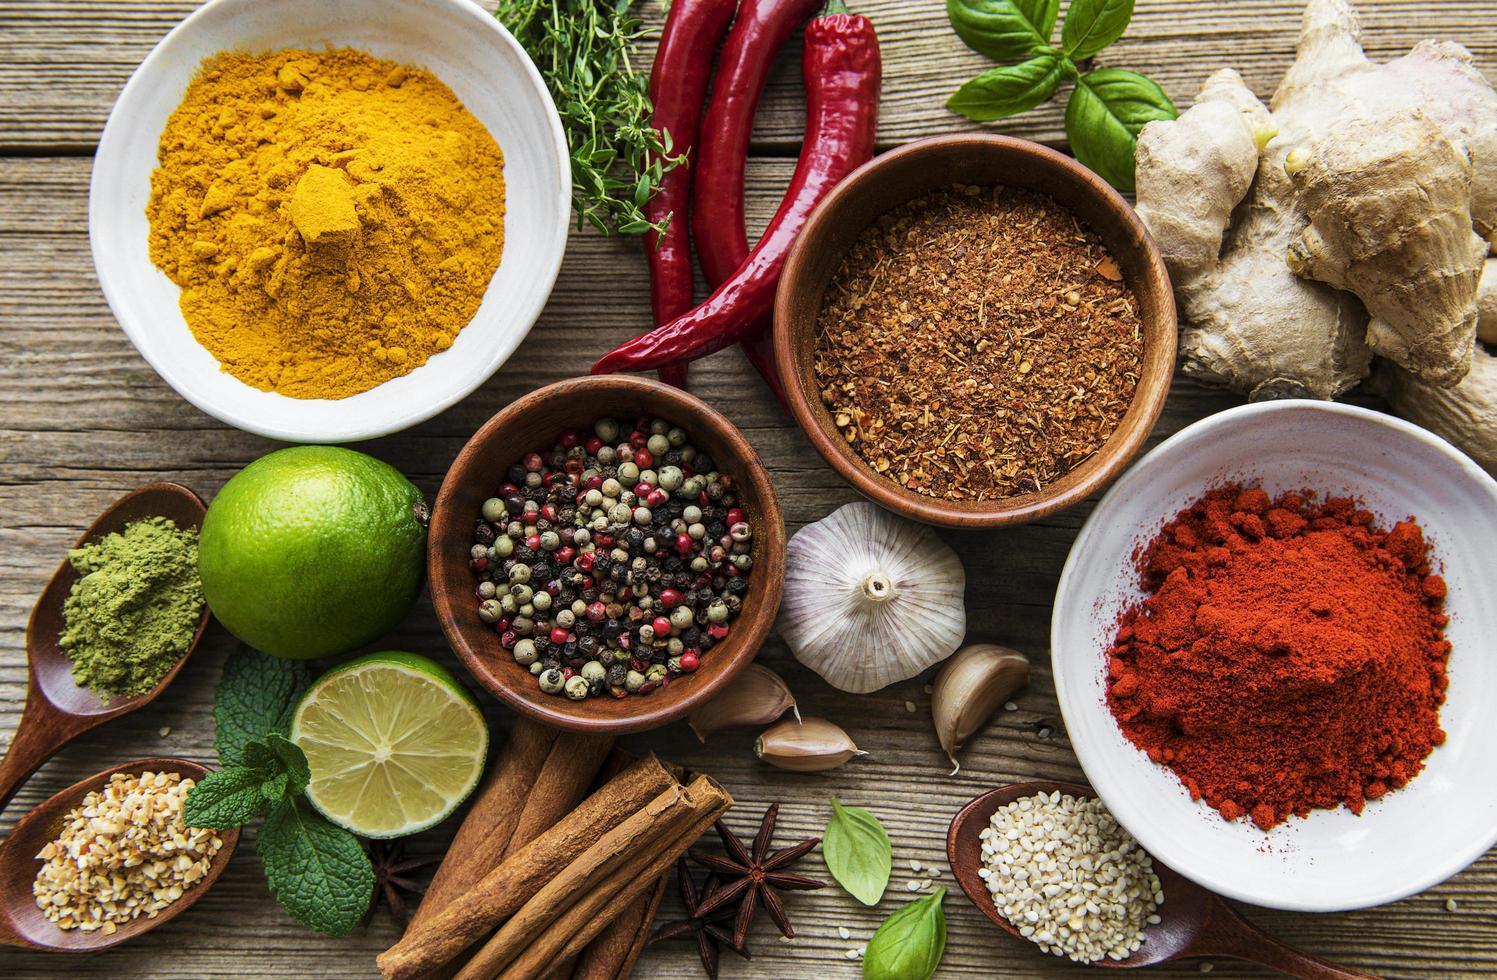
(333, 219)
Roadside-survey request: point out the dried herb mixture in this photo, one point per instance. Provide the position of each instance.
(978, 343)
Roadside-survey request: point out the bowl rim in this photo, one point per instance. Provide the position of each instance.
(649, 713)
(354, 427)
(1111, 457)
(1105, 781)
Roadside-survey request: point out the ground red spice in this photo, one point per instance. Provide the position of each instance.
(1290, 654)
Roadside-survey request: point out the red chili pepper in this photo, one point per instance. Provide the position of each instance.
(841, 71)
(678, 87)
(717, 216)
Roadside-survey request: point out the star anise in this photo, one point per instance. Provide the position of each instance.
(709, 935)
(391, 882)
(753, 875)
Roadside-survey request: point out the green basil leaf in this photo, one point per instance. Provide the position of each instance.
(1009, 90)
(224, 799)
(857, 852)
(1003, 30)
(318, 872)
(1092, 25)
(1108, 107)
(908, 946)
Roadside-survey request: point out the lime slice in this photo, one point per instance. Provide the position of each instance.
(395, 744)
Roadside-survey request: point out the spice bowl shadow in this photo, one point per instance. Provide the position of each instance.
(904, 174)
(531, 424)
(23, 925)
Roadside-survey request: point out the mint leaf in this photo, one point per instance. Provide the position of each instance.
(255, 697)
(1004, 30)
(1108, 107)
(278, 756)
(1092, 25)
(318, 872)
(857, 852)
(1009, 90)
(224, 799)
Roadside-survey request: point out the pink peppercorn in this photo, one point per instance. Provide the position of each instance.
(533, 542)
(559, 636)
(597, 612)
(533, 462)
(593, 445)
(507, 639)
(570, 438)
(661, 626)
(717, 630)
(670, 598)
(644, 459)
(689, 662)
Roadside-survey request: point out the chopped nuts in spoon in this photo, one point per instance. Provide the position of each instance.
(124, 851)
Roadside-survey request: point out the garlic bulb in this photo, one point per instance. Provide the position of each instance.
(871, 598)
(805, 745)
(969, 688)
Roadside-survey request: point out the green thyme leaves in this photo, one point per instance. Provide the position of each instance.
(582, 48)
(317, 871)
(857, 852)
(908, 946)
(1108, 106)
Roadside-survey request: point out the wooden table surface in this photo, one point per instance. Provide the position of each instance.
(85, 419)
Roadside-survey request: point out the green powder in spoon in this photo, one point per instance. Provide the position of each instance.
(134, 609)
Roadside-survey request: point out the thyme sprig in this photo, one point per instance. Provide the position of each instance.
(582, 48)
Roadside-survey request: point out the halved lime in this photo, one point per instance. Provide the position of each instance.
(395, 743)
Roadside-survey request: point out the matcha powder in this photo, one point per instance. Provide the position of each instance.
(134, 609)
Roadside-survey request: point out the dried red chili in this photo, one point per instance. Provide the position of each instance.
(1290, 654)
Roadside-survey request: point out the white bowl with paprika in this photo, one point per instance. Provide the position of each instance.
(1271, 646)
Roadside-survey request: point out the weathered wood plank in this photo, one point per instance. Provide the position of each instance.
(62, 62)
(85, 419)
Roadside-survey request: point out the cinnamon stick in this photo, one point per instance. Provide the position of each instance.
(479, 843)
(506, 888)
(563, 782)
(572, 912)
(612, 955)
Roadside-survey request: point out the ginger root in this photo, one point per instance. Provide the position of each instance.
(1362, 227)
(1466, 414)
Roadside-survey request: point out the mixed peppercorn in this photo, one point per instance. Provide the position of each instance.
(614, 562)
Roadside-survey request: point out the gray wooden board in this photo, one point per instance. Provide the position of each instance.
(85, 419)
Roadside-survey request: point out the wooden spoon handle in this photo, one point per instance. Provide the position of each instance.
(44, 729)
(1228, 934)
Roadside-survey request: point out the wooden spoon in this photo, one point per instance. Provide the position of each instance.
(58, 710)
(1195, 922)
(22, 923)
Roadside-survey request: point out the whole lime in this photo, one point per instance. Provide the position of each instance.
(312, 551)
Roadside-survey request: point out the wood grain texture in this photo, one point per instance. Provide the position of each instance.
(62, 62)
(84, 419)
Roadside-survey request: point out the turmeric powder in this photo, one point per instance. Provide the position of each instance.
(333, 219)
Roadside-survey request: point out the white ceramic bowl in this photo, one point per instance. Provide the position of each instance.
(483, 65)
(1412, 838)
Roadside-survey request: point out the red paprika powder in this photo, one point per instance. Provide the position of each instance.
(1290, 654)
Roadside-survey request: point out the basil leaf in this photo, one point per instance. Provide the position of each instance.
(908, 946)
(224, 799)
(1003, 30)
(1092, 25)
(857, 852)
(1009, 90)
(1108, 107)
(318, 872)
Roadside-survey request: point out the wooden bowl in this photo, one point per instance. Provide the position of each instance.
(532, 424)
(903, 174)
(22, 923)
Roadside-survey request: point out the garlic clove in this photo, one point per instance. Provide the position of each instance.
(870, 598)
(757, 696)
(805, 745)
(969, 688)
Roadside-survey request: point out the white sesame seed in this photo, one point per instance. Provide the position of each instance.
(912, 885)
(1451, 905)
(1010, 706)
(844, 932)
(1074, 882)
(915, 866)
(909, 706)
(851, 954)
(1207, 967)
(930, 689)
